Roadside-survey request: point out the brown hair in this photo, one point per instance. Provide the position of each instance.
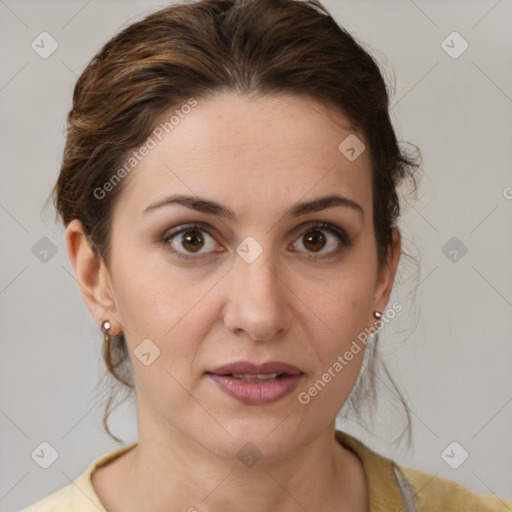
(194, 50)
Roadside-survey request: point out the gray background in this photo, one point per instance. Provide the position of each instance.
(449, 350)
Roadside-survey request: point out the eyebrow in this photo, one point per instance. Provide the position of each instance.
(210, 207)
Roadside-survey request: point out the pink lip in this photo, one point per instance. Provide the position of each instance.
(254, 369)
(257, 393)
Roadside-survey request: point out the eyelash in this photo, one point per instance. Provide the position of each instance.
(318, 226)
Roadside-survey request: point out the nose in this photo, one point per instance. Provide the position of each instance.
(258, 300)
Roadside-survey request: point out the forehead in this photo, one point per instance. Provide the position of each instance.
(251, 151)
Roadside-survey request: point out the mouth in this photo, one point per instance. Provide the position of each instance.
(247, 377)
(257, 384)
(269, 370)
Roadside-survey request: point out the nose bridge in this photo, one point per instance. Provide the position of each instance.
(256, 297)
(257, 281)
(255, 264)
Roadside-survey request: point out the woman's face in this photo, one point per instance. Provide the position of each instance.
(273, 281)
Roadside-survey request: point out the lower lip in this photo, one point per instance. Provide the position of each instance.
(257, 393)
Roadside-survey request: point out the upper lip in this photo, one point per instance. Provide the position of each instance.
(248, 368)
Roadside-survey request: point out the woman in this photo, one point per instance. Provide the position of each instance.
(229, 192)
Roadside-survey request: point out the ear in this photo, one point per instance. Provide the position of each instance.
(92, 276)
(386, 275)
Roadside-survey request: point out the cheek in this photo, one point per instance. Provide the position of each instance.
(340, 356)
(344, 306)
(150, 294)
(163, 304)
(344, 301)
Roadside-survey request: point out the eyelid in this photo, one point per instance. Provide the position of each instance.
(327, 226)
(302, 229)
(182, 228)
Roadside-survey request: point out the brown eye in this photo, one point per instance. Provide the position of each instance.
(322, 240)
(314, 240)
(192, 240)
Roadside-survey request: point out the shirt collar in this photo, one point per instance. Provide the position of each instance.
(383, 490)
(384, 493)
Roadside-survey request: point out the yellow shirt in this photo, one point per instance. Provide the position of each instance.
(391, 488)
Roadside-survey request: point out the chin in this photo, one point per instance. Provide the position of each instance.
(264, 438)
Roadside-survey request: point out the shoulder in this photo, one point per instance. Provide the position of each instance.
(436, 494)
(79, 495)
(394, 487)
(59, 501)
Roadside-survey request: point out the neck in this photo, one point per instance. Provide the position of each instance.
(173, 472)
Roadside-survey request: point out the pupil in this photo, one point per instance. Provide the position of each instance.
(191, 239)
(316, 239)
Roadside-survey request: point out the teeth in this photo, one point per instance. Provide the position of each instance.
(247, 376)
